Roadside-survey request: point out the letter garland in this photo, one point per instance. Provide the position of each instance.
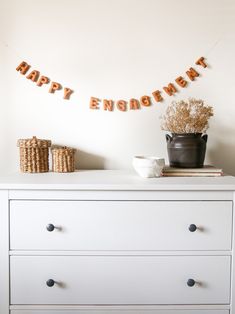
(134, 104)
(34, 76)
(109, 104)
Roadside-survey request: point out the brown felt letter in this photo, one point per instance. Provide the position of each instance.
(192, 73)
(145, 101)
(33, 76)
(170, 89)
(108, 104)
(157, 95)
(134, 104)
(67, 92)
(94, 103)
(43, 80)
(54, 86)
(23, 67)
(181, 81)
(201, 62)
(121, 104)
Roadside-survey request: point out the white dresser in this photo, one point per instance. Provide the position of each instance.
(110, 242)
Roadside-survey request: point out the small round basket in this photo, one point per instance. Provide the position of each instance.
(34, 154)
(63, 159)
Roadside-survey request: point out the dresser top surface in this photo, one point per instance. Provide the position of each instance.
(111, 180)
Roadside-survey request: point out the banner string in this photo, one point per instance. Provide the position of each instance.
(212, 47)
(16, 53)
(11, 50)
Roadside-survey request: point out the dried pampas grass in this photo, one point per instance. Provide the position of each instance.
(189, 116)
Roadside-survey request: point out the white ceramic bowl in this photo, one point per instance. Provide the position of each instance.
(148, 166)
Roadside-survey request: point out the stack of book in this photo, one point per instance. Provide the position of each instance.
(206, 171)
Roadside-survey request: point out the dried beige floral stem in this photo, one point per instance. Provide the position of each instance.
(190, 116)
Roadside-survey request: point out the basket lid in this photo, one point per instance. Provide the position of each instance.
(33, 142)
(63, 150)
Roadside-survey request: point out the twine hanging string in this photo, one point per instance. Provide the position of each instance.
(214, 45)
(11, 50)
(14, 52)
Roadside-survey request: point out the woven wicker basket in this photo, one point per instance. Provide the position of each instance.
(63, 159)
(34, 154)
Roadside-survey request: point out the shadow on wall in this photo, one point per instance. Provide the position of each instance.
(222, 154)
(84, 160)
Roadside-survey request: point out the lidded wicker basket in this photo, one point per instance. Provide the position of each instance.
(34, 154)
(63, 159)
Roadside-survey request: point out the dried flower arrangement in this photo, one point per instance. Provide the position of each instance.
(189, 116)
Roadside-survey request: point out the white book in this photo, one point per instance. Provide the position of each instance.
(192, 174)
(205, 169)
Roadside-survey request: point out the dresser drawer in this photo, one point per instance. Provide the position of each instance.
(120, 225)
(107, 311)
(120, 279)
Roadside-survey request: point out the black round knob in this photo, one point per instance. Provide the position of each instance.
(192, 228)
(191, 282)
(50, 227)
(50, 282)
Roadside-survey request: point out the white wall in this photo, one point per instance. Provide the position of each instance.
(113, 49)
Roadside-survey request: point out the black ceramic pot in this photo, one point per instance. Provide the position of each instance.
(186, 150)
